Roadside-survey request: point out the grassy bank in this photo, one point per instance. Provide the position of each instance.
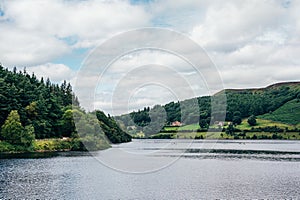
(223, 135)
(54, 144)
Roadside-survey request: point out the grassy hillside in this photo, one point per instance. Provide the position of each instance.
(277, 102)
(289, 113)
(263, 123)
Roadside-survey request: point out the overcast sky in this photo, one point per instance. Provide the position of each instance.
(252, 43)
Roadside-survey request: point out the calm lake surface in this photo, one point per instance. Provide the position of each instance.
(158, 169)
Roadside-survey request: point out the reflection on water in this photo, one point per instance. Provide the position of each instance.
(43, 155)
(205, 170)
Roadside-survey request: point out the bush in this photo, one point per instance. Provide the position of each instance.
(199, 137)
(6, 147)
(237, 120)
(252, 120)
(162, 136)
(275, 136)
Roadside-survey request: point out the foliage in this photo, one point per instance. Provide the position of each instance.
(236, 120)
(252, 120)
(230, 129)
(74, 144)
(203, 123)
(32, 108)
(241, 104)
(162, 136)
(14, 133)
(263, 123)
(12, 129)
(28, 136)
(68, 122)
(52, 145)
(141, 118)
(158, 117)
(38, 102)
(6, 147)
(288, 113)
(173, 112)
(111, 129)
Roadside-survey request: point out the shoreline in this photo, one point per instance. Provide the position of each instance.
(51, 145)
(53, 151)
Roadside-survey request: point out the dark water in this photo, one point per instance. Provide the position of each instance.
(159, 169)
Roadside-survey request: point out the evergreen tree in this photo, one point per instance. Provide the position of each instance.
(13, 132)
(28, 136)
(68, 124)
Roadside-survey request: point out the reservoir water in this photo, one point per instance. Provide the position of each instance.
(158, 169)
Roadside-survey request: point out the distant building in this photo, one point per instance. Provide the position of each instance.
(176, 123)
(131, 127)
(219, 123)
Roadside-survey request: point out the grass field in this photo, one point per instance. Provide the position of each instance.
(263, 123)
(189, 131)
(171, 128)
(285, 117)
(190, 127)
(243, 126)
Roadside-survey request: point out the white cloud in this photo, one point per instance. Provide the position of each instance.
(21, 48)
(253, 42)
(232, 24)
(87, 20)
(245, 76)
(38, 31)
(55, 72)
(147, 72)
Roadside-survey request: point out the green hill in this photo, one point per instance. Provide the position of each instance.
(263, 123)
(289, 113)
(241, 103)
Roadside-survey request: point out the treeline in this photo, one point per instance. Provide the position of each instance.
(39, 103)
(111, 129)
(239, 104)
(258, 102)
(38, 109)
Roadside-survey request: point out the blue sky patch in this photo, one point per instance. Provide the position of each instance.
(74, 59)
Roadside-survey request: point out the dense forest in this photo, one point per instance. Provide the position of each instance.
(240, 104)
(38, 109)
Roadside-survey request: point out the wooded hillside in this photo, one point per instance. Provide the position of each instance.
(240, 104)
(38, 109)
